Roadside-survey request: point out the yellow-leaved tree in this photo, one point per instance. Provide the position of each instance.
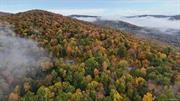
(148, 97)
(117, 96)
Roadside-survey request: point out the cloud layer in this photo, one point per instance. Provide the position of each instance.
(153, 22)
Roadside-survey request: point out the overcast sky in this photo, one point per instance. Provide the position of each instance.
(95, 7)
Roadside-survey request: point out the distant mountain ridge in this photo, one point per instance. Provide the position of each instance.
(142, 32)
(174, 17)
(84, 16)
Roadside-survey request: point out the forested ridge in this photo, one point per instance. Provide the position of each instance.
(91, 63)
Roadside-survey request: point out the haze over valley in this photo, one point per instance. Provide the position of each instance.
(154, 27)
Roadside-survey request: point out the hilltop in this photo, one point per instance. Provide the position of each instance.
(92, 63)
(4, 13)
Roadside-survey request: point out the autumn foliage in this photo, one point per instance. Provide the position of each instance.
(90, 63)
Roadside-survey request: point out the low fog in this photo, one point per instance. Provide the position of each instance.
(89, 19)
(153, 22)
(18, 57)
(162, 25)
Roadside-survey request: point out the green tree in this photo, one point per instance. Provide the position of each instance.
(44, 94)
(91, 64)
(30, 96)
(61, 96)
(122, 51)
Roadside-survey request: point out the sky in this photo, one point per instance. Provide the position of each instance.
(95, 7)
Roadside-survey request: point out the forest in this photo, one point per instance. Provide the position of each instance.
(91, 63)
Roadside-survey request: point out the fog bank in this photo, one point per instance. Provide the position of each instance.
(153, 22)
(18, 57)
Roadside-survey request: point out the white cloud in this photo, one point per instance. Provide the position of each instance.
(152, 11)
(158, 25)
(89, 19)
(153, 22)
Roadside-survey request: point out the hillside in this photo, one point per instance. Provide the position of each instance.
(154, 34)
(170, 37)
(87, 62)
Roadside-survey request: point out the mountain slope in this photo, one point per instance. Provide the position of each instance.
(152, 34)
(91, 63)
(162, 35)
